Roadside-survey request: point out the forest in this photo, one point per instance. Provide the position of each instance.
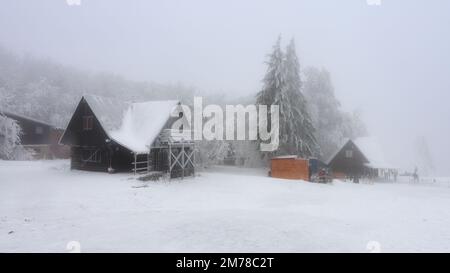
(312, 123)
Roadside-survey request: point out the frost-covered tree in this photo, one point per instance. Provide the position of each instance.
(10, 133)
(301, 130)
(282, 87)
(211, 152)
(49, 92)
(353, 125)
(324, 109)
(332, 124)
(274, 89)
(247, 154)
(424, 159)
(273, 83)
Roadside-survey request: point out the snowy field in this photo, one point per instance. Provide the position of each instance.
(44, 205)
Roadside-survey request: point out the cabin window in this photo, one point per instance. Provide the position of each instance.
(93, 156)
(88, 123)
(348, 153)
(39, 130)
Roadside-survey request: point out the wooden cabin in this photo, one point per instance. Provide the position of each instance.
(289, 167)
(361, 158)
(109, 135)
(39, 137)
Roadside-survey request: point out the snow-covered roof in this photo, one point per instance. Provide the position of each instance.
(371, 150)
(15, 115)
(341, 146)
(133, 125)
(285, 157)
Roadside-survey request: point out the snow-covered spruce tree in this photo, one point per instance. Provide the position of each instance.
(282, 87)
(273, 81)
(273, 91)
(332, 124)
(299, 126)
(324, 109)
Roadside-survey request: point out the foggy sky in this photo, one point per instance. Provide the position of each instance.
(390, 61)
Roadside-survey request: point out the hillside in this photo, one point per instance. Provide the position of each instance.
(225, 209)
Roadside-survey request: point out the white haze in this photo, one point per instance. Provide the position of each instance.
(391, 61)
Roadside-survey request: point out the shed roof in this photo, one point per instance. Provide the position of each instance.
(285, 157)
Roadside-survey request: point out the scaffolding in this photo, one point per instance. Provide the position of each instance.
(181, 159)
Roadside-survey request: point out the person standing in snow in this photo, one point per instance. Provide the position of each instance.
(415, 175)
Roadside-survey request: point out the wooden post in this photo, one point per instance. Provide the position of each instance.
(148, 161)
(182, 160)
(193, 160)
(170, 161)
(135, 158)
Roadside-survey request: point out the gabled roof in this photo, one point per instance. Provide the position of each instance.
(370, 149)
(343, 143)
(132, 125)
(14, 115)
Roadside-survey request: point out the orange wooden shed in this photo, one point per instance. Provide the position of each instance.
(289, 167)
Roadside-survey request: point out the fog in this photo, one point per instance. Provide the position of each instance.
(391, 62)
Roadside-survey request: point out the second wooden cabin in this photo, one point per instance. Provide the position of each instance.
(361, 158)
(38, 137)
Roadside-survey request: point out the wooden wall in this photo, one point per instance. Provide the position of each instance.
(40, 138)
(33, 132)
(76, 136)
(290, 168)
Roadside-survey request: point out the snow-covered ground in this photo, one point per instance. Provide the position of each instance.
(44, 205)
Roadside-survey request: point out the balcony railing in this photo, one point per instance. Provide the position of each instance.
(171, 136)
